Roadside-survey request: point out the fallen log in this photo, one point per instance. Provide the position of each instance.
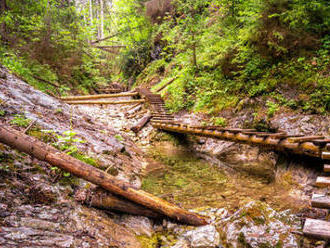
(99, 198)
(136, 128)
(105, 102)
(165, 85)
(87, 97)
(133, 110)
(44, 152)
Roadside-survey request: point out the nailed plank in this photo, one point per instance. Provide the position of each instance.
(322, 181)
(320, 201)
(88, 97)
(325, 155)
(304, 139)
(105, 102)
(326, 168)
(321, 142)
(317, 229)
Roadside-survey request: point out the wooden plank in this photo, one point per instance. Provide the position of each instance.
(325, 155)
(322, 181)
(304, 139)
(320, 201)
(87, 97)
(319, 229)
(105, 102)
(326, 168)
(321, 142)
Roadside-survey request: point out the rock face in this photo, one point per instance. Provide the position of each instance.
(62, 226)
(101, 140)
(257, 225)
(203, 237)
(36, 205)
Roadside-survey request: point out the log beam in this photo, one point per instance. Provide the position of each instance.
(88, 97)
(106, 102)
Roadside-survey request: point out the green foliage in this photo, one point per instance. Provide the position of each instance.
(45, 41)
(220, 121)
(224, 50)
(119, 137)
(272, 108)
(20, 120)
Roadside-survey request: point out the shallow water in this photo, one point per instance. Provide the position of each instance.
(191, 182)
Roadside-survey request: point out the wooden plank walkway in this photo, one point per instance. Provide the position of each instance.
(319, 229)
(320, 201)
(323, 182)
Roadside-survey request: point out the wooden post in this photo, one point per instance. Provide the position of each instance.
(44, 152)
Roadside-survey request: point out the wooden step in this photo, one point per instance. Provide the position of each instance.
(327, 168)
(320, 201)
(321, 142)
(305, 139)
(319, 229)
(323, 181)
(326, 155)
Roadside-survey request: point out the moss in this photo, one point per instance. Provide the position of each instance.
(86, 159)
(185, 178)
(242, 241)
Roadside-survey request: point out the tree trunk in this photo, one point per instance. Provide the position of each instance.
(3, 27)
(99, 198)
(101, 19)
(91, 12)
(141, 123)
(44, 152)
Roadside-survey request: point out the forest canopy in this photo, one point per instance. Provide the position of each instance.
(217, 51)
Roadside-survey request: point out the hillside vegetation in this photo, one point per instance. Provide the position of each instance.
(219, 52)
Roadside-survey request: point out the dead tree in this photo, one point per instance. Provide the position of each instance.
(44, 152)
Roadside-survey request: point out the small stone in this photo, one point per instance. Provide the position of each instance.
(205, 236)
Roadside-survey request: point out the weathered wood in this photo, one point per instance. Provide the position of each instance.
(166, 84)
(322, 181)
(134, 110)
(321, 142)
(87, 97)
(240, 136)
(44, 152)
(320, 201)
(304, 139)
(99, 198)
(141, 123)
(326, 168)
(326, 155)
(106, 102)
(319, 229)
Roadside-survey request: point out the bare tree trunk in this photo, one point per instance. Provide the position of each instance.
(99, 198)
(194, 51)
(3, 27)
(101, 19)
(44, 152)
(91, 12)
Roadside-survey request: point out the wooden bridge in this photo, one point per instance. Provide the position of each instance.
(314, 146)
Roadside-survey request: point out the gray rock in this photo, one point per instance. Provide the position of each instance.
(138, 224)
(203, 237)
(257, 225)
(182, 243)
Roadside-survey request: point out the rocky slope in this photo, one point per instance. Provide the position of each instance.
(37, 206)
